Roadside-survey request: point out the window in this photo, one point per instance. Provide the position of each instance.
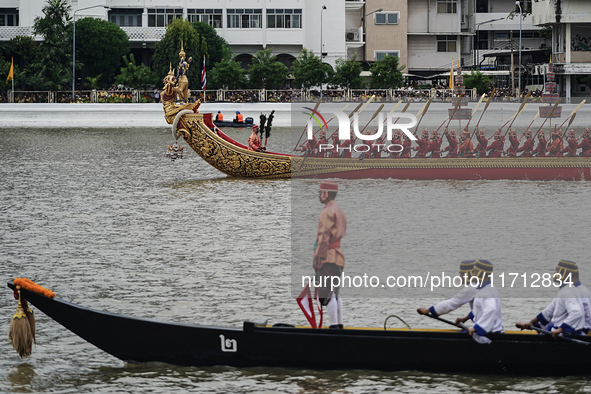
(386, 18)
(379, 55)
(161, 17)
(126, 16)
(447, 6)
(245, 18)
(8, 17)
(482, 6)
(447, 43)
(284, 18)
(501, 35)
(213, 17)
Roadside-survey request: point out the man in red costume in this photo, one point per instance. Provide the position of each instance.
(452, 146)
(254, 141)
(406, 147)
(585, 145)
(423, 144)
(527, 146)
(329, 260)
(571, 149)
(495, 149)
(482, 144)
(396, 140)
(540, 150)
(555, 147)
(435, 145)
(466, 148)
(321, 145)
(513, 144)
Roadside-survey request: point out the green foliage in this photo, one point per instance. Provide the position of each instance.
(93, 82)
(167, 51)
(227, 73)
(49, 70)
(134, 76)
(213, 46)
(266, 72)
(477, 80)
(347, 74)
(386, 73)
(308, 70)
(100, 45)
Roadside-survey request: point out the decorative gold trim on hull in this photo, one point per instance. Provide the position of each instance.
(228, 158)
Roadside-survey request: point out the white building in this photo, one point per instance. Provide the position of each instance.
(570, 21)
(287, 26)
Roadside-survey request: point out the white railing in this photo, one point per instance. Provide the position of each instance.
(144, 33)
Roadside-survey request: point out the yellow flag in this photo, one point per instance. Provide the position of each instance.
(11, 72)
(451, 75)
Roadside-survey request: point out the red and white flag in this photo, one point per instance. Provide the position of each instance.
(306, 304)
(203, 79)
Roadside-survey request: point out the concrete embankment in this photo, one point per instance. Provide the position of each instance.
(151, 115)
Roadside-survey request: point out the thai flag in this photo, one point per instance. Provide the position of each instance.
(306, 304)
(203, 78)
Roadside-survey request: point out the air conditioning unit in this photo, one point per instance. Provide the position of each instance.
(352, 35)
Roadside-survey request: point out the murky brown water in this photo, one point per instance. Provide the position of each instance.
(105, 220)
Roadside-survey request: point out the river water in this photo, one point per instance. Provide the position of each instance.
(105, 220)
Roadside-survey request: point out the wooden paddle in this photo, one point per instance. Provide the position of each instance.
(572, 117)
(479, 339)
(422, 112)
(367, 124)
(535, 117)
(490, 99)
(351, 114)
(558, 336)
(512, 119)
(306, 127)
(474, 112)
(547, 117)
(521, 108)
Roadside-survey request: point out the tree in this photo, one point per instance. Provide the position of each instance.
(24, 50)
(167, 51)
(347, 74)
(228, 73)
(477, 80)
(134, 76)
(266, 72)
(215, 45)
(386, 74)
(4, 70)
(102, 46)
(52, 69)
(308, 70)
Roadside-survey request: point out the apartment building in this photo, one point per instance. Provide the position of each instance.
(570, 21)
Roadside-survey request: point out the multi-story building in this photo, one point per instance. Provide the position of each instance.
(287, 26)
(570, 21)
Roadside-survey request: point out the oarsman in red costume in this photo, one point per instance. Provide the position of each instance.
(452, 146)
(495, 149)
(585, 145)
(321, 145)
(555, 148)
(335, 143)
(513, 144)
(528, 145)
(423, 144)
(571, 149)
(406, 147)
(329, 259)
(540, 150)
(310, 147)
(396, 140)
(435, 145)
(377, 148)
(466, 147)
(482, 144)
(254, 141)
(345, 149)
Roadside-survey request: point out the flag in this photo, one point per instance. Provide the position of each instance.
(305, 302)
(203, 79)
(451, 75)
(11, 72)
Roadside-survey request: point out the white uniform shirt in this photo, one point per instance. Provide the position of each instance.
(486, 310)
(566, 311)
(466, 295)
(585, 296)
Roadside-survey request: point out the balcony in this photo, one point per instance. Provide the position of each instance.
(7, 33)
(353, 4)
(144, 34)
(354, 38)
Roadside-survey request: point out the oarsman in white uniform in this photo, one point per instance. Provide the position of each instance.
(566, 312)
(466, 295)
(486, 307)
